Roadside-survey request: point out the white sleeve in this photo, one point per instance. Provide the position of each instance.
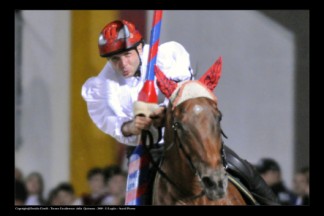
(95, 92)
(174, 61)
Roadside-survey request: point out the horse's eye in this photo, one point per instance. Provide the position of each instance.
(220, 116)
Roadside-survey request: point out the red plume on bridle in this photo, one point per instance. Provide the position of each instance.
(209, 79)
(165, 85)
(212, 75)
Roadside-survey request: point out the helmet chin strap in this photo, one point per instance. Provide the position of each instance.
(138, 70)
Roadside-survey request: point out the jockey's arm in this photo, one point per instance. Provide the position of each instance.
(139, 123)
(95, 93)
(135, 126)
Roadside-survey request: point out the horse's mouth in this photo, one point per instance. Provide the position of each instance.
(215, 194)
(214, 188)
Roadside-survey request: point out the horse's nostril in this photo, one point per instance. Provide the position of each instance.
(220, 184)
(208, 182)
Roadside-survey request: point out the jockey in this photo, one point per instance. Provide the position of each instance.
(111, 94)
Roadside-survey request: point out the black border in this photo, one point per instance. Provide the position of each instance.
(8, 68)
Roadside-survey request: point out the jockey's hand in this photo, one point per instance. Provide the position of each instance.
(158, 117)
(136, 126)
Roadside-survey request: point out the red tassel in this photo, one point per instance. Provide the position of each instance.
(212, 75)
(165, 85)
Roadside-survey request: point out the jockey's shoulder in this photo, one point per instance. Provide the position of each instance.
(172, 46)
(167, 48)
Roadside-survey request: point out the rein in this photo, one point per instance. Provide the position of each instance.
(164, 175)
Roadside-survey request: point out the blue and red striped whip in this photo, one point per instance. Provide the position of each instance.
(138, 170)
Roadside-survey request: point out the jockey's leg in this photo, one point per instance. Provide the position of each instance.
(250, 177)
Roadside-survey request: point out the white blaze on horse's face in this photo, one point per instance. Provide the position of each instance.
(197, 109)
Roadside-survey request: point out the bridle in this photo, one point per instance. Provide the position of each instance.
(176, 125)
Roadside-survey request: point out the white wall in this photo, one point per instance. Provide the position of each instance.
(255, 91)
(45, 96)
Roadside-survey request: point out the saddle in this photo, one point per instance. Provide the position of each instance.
(248, 180)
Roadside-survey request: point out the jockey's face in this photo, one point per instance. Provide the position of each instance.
(126, 63)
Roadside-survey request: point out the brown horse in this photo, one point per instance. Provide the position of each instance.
(193, 172)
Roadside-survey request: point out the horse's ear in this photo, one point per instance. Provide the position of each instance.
(166, 85)
(212, 75)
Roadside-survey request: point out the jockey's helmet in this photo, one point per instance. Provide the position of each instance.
(118, 36)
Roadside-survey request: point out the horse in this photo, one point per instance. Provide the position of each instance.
(192, 171)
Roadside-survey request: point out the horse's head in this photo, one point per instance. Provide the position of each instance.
(195, 118)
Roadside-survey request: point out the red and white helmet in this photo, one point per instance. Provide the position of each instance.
(118, 36)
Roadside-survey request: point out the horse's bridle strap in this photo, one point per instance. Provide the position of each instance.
(164, 175)
(175, 126)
